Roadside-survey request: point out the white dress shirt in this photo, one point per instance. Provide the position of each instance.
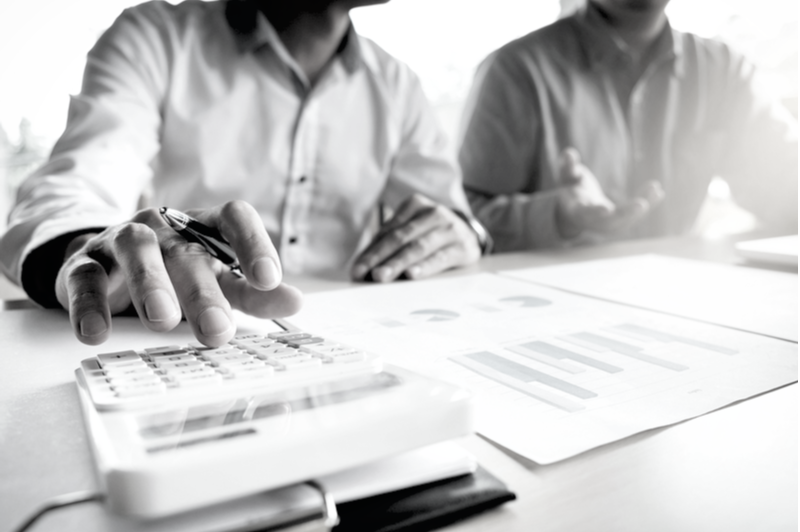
(179, 108)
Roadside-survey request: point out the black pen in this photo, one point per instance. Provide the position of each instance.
(208, 237)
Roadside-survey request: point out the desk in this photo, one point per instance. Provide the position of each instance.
(733, 470)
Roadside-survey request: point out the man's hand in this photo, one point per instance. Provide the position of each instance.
(146, 263)
(423, 238)
(583, 205)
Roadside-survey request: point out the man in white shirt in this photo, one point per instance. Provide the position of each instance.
(609, 124)
(296, 128)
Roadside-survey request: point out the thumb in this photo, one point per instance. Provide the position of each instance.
(569, 167)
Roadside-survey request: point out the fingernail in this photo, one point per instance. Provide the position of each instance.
(267, 272)
(360, 271)
(382, 273)
(159, 306)
(213, 322)
(93, 324)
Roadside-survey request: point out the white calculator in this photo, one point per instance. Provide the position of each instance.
(174, 428)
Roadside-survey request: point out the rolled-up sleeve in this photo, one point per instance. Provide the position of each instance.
(422, 162)
(501, 128)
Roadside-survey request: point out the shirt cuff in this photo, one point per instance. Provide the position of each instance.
(41, 266)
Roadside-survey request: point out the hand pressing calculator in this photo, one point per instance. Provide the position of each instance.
(179, 427)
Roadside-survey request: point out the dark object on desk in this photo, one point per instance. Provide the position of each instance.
(425, 507)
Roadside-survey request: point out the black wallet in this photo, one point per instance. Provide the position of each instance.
(424, 507)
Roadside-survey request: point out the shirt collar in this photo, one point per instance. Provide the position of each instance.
(603, 46)
(264, 34)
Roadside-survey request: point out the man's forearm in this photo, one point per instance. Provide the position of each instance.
(518, 221)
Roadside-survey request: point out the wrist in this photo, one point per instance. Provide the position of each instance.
(566, 228)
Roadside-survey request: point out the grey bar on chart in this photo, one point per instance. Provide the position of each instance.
(550, 361)
(667, 337)
(628, 350)
(544, 396)
(561, 353)
(581, 343)
(526, 374)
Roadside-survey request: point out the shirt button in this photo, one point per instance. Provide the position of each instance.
(302, 179)
(292, 239)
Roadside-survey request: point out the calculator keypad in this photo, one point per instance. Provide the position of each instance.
(138, 378)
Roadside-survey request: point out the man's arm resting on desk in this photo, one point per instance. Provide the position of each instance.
(422, 239)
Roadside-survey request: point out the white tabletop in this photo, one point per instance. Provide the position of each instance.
(734, 469)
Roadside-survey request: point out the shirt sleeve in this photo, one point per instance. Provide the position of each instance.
(500, 128)
(100, 166)
(422, 163)
(759, 155)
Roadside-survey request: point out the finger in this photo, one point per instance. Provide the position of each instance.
(623, 216)
(138, 254)
(406, 211)
(241, 225)
(569, 167)
(442, 259)
(194, 273)
(82, 285)
(389, 243)
(284, 300)
(412, 254)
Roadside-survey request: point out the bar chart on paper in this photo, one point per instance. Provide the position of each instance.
(519, 376)
(554, 374)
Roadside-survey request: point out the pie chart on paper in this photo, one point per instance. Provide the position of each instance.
(434, 314)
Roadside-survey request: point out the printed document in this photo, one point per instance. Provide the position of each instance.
(554, 374)
(751, 299)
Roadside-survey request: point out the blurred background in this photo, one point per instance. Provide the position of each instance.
(43, 44)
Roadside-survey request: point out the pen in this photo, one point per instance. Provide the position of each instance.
(206, 236)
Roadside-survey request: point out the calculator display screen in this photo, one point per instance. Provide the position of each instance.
(219, 420)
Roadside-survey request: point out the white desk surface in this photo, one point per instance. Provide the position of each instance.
(734, 469)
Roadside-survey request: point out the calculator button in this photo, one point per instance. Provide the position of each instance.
(246, 337)
(165, 349)
(140, 389)
(177, 373)
(128, 371)
(288, 336)
(292, 355)
(120, 359)
(210, 354)
(216, 360)
(325, 348)
(246, 372)
(255, 340)
(266, 352)
(227, 365)
(350, 356)
(162, 360)
(292, 364)
(131, 380)
(181, 364)
(305, 341)
(198, 379)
